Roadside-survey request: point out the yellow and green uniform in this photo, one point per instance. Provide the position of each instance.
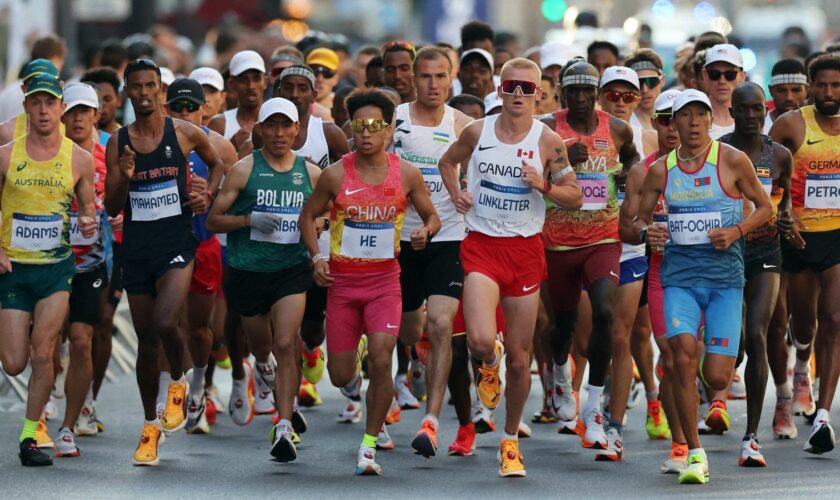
(22, 126)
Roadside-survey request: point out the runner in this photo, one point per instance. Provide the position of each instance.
(810, 250)
(324, 63)
(370, 190)
(583, 249)
(19, 125)
(702, 272)
(268, 270)
(509, 158)
(40, 171)
(213, 85)
(788, 88)
(475, 73)
(147, 165)
(648, 66)
(762, 253)
(620, 97)
(722, 72)
(248, 82)
(107, 84)
(397, 61)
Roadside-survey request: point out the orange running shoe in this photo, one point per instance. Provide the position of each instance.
(510, 459)
(425, 441)
(175, 413)
(147, 449)
(393, 415)
(490, 385)
(464, 443)
(718, 417)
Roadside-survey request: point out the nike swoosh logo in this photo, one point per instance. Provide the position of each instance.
(612, 273)
(348, 192)
(638, 275)
(389, 325)
(811, 143)
(765, 266)
(529, 288)
(482, 148)
(455, 283)
(403, 131)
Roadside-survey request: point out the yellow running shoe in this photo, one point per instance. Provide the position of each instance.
(42, 437)
(308, 394)
(490, 385)
(718, 417)
(696, 470)
(175, 413)
(510, 459)
(312, 365)
(147, 449)
(656, 425)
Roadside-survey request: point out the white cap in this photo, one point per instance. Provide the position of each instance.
(724, 52)
(208, 76)
(557, 53)
(166, 76)
(80, 94)
(666, 100)
(492, 101)
(244, 60)
(483, 53)
(278, 105)
(688, 96)
(620, 74)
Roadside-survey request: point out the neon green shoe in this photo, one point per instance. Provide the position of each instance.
(312, 365)
(656, 425)
(696, 470)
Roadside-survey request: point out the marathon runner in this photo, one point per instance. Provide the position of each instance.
(213, 85)
(40, 171)
(648, 67)
(788, 88)
(722, 72)
(509, 156)
(107, 84)
(247, 81)
(397, 61)
(19, 125)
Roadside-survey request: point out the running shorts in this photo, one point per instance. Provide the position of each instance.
(362, 302)
(516, 264)
(722, 308)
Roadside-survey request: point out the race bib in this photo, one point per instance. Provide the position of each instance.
(76, 238)
(504, 203)
(766, 183)
(324, 244)
(594, 189)
(155, 201)
(289, 230)
(37, 232)
(691, 225)
(367, 240)
(822, 191)
(434, 182)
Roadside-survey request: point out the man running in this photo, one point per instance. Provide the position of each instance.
(40, 171)
(722, 72)
(810, 250)
(19, 125)
(213, 85)
(397, 60)
(475, 73)
(509, 158)
(107, 84)
(247, 81)
(788, 88)
(703, 183)
(369, 190)
(148, 177)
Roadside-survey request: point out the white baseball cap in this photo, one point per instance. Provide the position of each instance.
(689, 96)
(166, 76)
(208, 76)
(244, 60)
(724, 52)
(278, 105)
(666, 100)
(557, 53)
(492, 101)
(620, 74)
(80, 94)
(483, 53)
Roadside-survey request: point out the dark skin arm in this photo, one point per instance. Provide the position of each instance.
(336, 141)
(784, 219)
(120, 170)
(217, 124)
(622, 136)
(192, 138)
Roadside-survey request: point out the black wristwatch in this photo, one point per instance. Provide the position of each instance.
(643, 234)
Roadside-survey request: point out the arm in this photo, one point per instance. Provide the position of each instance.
(217, 124)
(218, 221)
(314, 172)
(422, 202)
(461, 122)
(5, 156)
(789, 130)
(226, 152)
(120, 165)
(246, 149)
(632, 197)
(83, 171)
(336, 141)
(563, 188)
(459, 153)
(784, 219)
(623, 137)
(325, 190)
(199, 142)
(652, 188)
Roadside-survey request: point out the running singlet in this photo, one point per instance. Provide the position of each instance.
(365, 220)
(90, 252)
(597, 220)
(503, 205)
(155, 218)
(423, 147)
(281, 193)
(36, 205)
(815, 181)
(199, 168)
(697, 203)
(22, 126)
(315, 149)
(231, 123)
(633, 251)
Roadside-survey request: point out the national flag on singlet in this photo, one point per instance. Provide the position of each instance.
(762, 172)
(702, 181)
(440, 137)
(524, 153)
(601, 143)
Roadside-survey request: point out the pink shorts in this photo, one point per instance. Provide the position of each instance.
(655, 296)
(362, 302)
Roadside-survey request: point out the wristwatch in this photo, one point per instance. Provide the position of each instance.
(643, 234)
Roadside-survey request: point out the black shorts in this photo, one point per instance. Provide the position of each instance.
(768, 259)
(643, 300)
(435, 270)
(115, 283)
(822, 250)
(316, 303)
(251, 293)
(86, 296)
(140, 275)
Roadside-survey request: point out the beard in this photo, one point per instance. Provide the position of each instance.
(826, 109)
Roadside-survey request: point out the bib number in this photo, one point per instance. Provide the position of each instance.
(504, 203)
(595, 191)
(822, 191)
(76, 238)
(289, 230)
(691, 225)
(368, 240)
(155, 201)
(37, 232)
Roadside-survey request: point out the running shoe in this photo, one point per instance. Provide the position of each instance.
(282, 447)
(196, 408)
(405, 398)
(312, 365)
(366, 463)
(569, 427)
(147, 450)
(418, 378)
(543, 416)
(422, 348)
(676, 461)
(783, 425)
(523, 431)
(483, 419)
(696, 470)
(241, 405)
(718, 417)
(737, 389)
(563, 402)
(657, 424)
(31, 456)
(99, 425)
(751, 453)
(614, 452)
(85, 426)
(354, 389)
(489, 385)
(394, 413)
(594, 437)
(425, 441)
(221, 357)
(299, 423)
(803, 397)
(264, 375)
(464, 443)
(821, 439)
(174, 414)
(42, 436)
(383, 440)
(637, 393)
(65, 446)
(352, 413)
(211, 392)
(510, 459)
(202, 426)
(308, 394)
(51, 409)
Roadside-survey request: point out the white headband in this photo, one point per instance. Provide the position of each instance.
(789, 78)
(581, 80)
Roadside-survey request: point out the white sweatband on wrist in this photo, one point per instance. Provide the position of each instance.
(563, 173)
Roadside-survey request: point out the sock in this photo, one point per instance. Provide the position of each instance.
(509, 437)
(802, 366)
(784, 391)
(563, 373)
(697, 451)
(89, 395)
(369, 441)
(821, 415)
(594, 399)
(284, 422)
(29, 428)
(239, 386)
(652, 395)
(197, 382)
(614, 425)
(163, 387)
(430, 418)
(153, 422)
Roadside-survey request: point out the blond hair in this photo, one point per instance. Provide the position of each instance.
(522, 63)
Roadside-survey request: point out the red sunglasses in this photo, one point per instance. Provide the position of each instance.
(627, 97)
(527, 88)
(663, 119)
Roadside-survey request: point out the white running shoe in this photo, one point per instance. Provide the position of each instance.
(783, 425)
(65, 445)
(51, 409)
(821, 439)
(751, 453)
(562, 402)
(614, 452)
(366, 463)
(85, 425)
(352, 413)
(405, 399)
(283, 447)
(354, 389)
(737, 389)
(594, 437)
(418, 378)
(383, 440)
(803, 397)
(264, 375)
(195, 415)
(241, 405)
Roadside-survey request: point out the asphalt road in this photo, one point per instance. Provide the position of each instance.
(234, 461)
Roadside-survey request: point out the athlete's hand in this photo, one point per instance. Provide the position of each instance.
(790, 232)
(87, 226)
(321, 273)
(320, 224)
(723, 237)
(127, 162)
(464, 202)
(198, 203)
(5, 264)
(578, 153)
(239, 138)
(265, 222)
(198, 184)
(116, 223)
(419, 238)
(657, 236)
(531, 177)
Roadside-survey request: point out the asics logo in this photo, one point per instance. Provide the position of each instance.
(350, 192)
(21, 166)
(529, 288)
(97, 283)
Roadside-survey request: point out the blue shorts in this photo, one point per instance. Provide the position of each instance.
(632, 270)
(685, 308)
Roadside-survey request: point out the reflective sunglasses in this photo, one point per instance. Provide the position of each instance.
(627, 97)
(372, 124)
(650, 81)
(180, 106)
(715, 74)
(663, 119)
(399, 45)
(325, 72)
(527, 88)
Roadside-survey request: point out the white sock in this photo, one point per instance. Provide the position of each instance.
(153, 422)
(563, 373)
(430, 418)
(784, 391)
(399, 380)
(163, 386)
(697, 451)
(284, 422)
(802, 366)
(822, 414)
(495, 361)
(89, 395)
(509, 437)
(594, 399)
(197, 382)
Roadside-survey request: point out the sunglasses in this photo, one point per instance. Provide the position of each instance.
(399, 45)
(372, 124)
(663, 119)
(325, 72)
(649, 81)
(180, 106)
(627, 97)
(527, 88)
(715, 74)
